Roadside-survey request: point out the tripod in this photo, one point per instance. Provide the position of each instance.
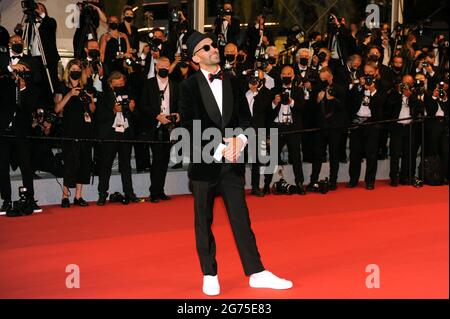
(31, 31)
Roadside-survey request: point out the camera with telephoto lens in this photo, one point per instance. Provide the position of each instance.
(84, 97)
(253, 77)
(285, 97)
(25, 75)
(419, 87)
(425, 64)
(87, 9)
(369, 79)
(322, 186)
(29, 7)
(222, 13)
(154, 43)
(283, 188)
(441, 90)
(174, 15)
(116, 198)
(23, 206)
(262, 62)
(404, 86)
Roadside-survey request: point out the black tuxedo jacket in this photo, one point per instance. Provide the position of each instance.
(22, 121)
(377, 103)
(262, 108)
(151, 104)
(105, 116)
(197, 102)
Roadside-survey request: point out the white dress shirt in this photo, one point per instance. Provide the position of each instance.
(250, 95)
(217, 91)
(405, 112)
(364, 110)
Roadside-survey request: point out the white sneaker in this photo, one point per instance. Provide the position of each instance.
(211, 285)
(265, 279)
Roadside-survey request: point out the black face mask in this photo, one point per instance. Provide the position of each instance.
(373, 58)
(163, 73)
(304, 61)
(272, 60)
(17, 47)
(94, 53)
(397, 69)
(230, 57)
(128, 19)
(240, 58)
(75, 75)
(286, 80)
(113, 26)
(322, 57)
(324, 83)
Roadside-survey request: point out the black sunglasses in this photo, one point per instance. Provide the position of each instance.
(207, 47)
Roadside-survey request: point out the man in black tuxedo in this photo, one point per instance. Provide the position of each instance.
(214, 100)
(158, 110)
(16, 119)
(330, 112)
(258, 102)
(366, 105)
(287, 116)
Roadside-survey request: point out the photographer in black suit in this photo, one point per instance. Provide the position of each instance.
(405, 106)
(258, 102)
(160, 115)
(115, 124)
(216, 101)
(366, 105)
(227, 26)
(287, 115)
(16, 119)
(330, 112)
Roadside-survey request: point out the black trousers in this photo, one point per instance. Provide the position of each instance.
(21, 150)
(231, 187)
(77, 163)
(108, 152)
(436, 142)
(293, 142)
(330, 138)
(403, 145)
(158, 169)
(364, 143)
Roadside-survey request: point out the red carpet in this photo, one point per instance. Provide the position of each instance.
(321, 242)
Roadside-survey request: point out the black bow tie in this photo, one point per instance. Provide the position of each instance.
(218, 76)
(16, 57)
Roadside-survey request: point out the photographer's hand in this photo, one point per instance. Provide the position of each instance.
(277, 100)
(163, 119)
(178, 117)
(320, 96)
(18, 67)
(74, 92)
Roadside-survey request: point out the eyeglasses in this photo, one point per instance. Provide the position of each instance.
(207, 47)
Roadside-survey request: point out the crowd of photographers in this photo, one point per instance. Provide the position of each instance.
(118, 89)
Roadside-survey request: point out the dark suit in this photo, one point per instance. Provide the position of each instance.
(293, 140)
(258, 120)
(150, 109)
(404, 141)
(436, 132)
(108, 151)
(197, 102)
(329, 113)
(15, 120)
(364, 140)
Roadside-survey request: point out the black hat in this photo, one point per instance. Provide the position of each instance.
(195, 38)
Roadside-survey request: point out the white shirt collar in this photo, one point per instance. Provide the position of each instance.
(207, 73)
